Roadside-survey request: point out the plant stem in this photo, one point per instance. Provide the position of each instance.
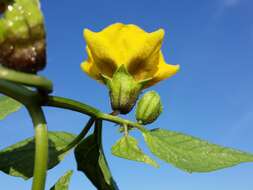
(125, 130)
(27, 97)
(41, 147)
(65, 103)
(78, 139)
(18, 92)
(73, 105)
(27, 79)
(32, 100)
(121, 121)
(98, 132)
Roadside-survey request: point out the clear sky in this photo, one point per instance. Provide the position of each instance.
(211, 96)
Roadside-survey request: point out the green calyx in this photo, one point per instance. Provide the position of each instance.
(123, 89)
(149, 108)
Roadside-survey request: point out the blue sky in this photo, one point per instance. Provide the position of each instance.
(211, 96)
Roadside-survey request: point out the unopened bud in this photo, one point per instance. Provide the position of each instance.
(149, 108)
(22, 36)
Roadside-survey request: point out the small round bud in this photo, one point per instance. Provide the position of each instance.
(149, 108)
(123, 90)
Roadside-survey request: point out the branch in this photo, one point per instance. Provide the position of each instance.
(65, 103)
(78, 139)
(27, 79)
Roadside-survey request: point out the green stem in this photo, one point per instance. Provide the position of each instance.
(65, 103)
(41, 147)
(78, 139)
(26, 79)
(27, 97)
(121, 121)
(98, 131)
(125, 130)
(32, 100)
(18, 92)
(69, 104)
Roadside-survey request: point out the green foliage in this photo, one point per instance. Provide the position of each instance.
(91, 160)
(18, 159)
(127, 147)
(8, 106)
(63, 182)
(23, 48)
(192, 154)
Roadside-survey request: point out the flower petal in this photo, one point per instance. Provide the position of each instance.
(125, 41)
(164, 71)
(128, 45)
(112, 31)
(90, 68)
(144, 64)
(103, 55)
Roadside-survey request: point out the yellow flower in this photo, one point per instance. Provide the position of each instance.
(128, 45)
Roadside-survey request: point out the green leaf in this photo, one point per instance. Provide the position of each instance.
(63, 182)
(91, 160)
(192, 154)
(8, 106)
(18, 159)
(127, 147)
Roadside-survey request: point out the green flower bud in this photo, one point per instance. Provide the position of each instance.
(123, 90)
(22, 36)
(149, 108)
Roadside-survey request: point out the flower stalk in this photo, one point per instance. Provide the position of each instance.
(65, 103)
(41, 147)
(78, 139)
(27, 79)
